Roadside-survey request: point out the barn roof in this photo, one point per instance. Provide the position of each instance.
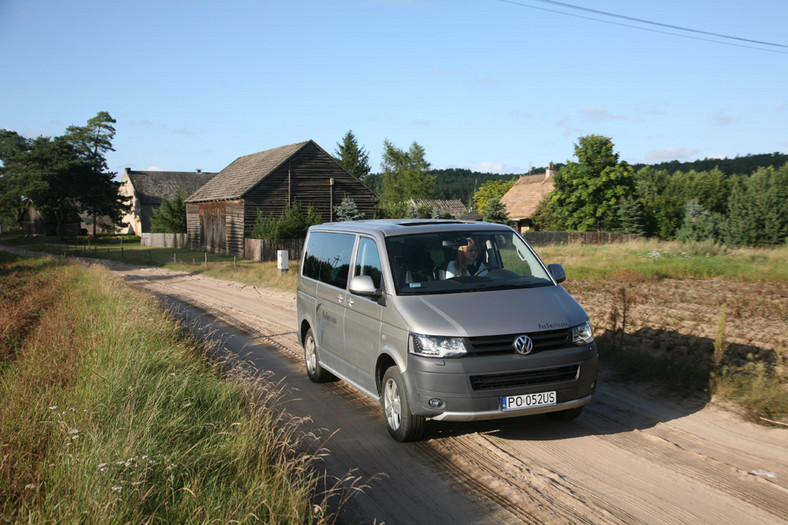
(524, 197)
(245, 173)
(152, 186)
(454, 207)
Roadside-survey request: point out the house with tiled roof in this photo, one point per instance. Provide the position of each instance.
(148, 188)
(522, 199)
(223, 212)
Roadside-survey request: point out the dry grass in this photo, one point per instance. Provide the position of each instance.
(109, 412)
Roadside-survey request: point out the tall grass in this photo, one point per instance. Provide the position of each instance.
(110, 413)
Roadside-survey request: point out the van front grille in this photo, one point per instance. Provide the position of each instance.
(533, 377)
(504, 344)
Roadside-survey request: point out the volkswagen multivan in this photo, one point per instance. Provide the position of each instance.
(447, 320)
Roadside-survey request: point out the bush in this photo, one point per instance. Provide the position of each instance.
(292, 225)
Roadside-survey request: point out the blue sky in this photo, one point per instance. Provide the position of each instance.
(489, 85)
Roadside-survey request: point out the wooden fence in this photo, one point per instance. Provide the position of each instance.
(164, 240)
(265, 250)
(544, 238)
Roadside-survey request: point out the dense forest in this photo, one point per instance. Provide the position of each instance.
(737, 166)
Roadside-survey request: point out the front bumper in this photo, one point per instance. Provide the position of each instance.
(471, 388)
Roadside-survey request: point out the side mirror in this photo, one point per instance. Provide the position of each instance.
(557, 271)
(362, 285)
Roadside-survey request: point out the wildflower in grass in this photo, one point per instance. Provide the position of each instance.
(117, 488)
(102, 467)
(53, 407)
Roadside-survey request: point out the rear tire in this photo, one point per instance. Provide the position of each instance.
(401, 423)
(569, 414)
(316, 373)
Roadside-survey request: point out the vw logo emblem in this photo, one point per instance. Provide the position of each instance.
(523, 345)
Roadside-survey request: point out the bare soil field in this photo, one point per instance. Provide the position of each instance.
(672, 315)
(638, 454)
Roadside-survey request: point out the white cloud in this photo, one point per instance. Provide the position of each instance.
(154, 168)
(488, 167)
(671, 153)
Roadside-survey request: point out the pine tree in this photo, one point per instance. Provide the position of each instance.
(495, 211)
(347, 211)
(631, 216)
(170, 216)
(353, 158)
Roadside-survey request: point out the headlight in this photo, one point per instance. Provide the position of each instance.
(429, 346)
(582, 334)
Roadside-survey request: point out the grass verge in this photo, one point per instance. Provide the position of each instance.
(110, 413)
(654, 260)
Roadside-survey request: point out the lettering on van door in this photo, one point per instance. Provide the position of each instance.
(328, 317)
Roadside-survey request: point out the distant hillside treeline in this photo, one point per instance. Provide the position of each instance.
(737, 166)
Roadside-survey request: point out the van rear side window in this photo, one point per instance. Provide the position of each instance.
(328, 258)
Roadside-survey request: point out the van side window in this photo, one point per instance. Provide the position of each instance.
(368, 260)
(327, 257)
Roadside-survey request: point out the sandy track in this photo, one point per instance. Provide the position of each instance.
(634, 456)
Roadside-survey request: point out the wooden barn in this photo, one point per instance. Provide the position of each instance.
(223, 212)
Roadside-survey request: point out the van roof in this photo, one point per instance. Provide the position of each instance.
(392, 227)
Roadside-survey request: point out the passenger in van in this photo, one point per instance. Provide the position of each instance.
(467, 261)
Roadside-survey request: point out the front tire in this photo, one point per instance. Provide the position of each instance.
(401, 423)
(316, 373)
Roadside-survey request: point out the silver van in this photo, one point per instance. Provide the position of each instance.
(447, 320)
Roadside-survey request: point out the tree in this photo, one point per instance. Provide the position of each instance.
(699, 224)
(170, 216)
(547, 219)
(630, 215)
(293, 224)
(491, 190)
(51, 173)
(663, 202)
(13, 176)
(758, 209)
(347, 211)
(495, 211)
(406, 174)
(353, 158)
(101, 197)
(587, 192)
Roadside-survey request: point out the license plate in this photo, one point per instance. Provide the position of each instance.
(542, 399)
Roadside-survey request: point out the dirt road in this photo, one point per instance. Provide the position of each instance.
(634, 456)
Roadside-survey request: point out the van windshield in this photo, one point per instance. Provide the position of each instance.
(455, 262)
